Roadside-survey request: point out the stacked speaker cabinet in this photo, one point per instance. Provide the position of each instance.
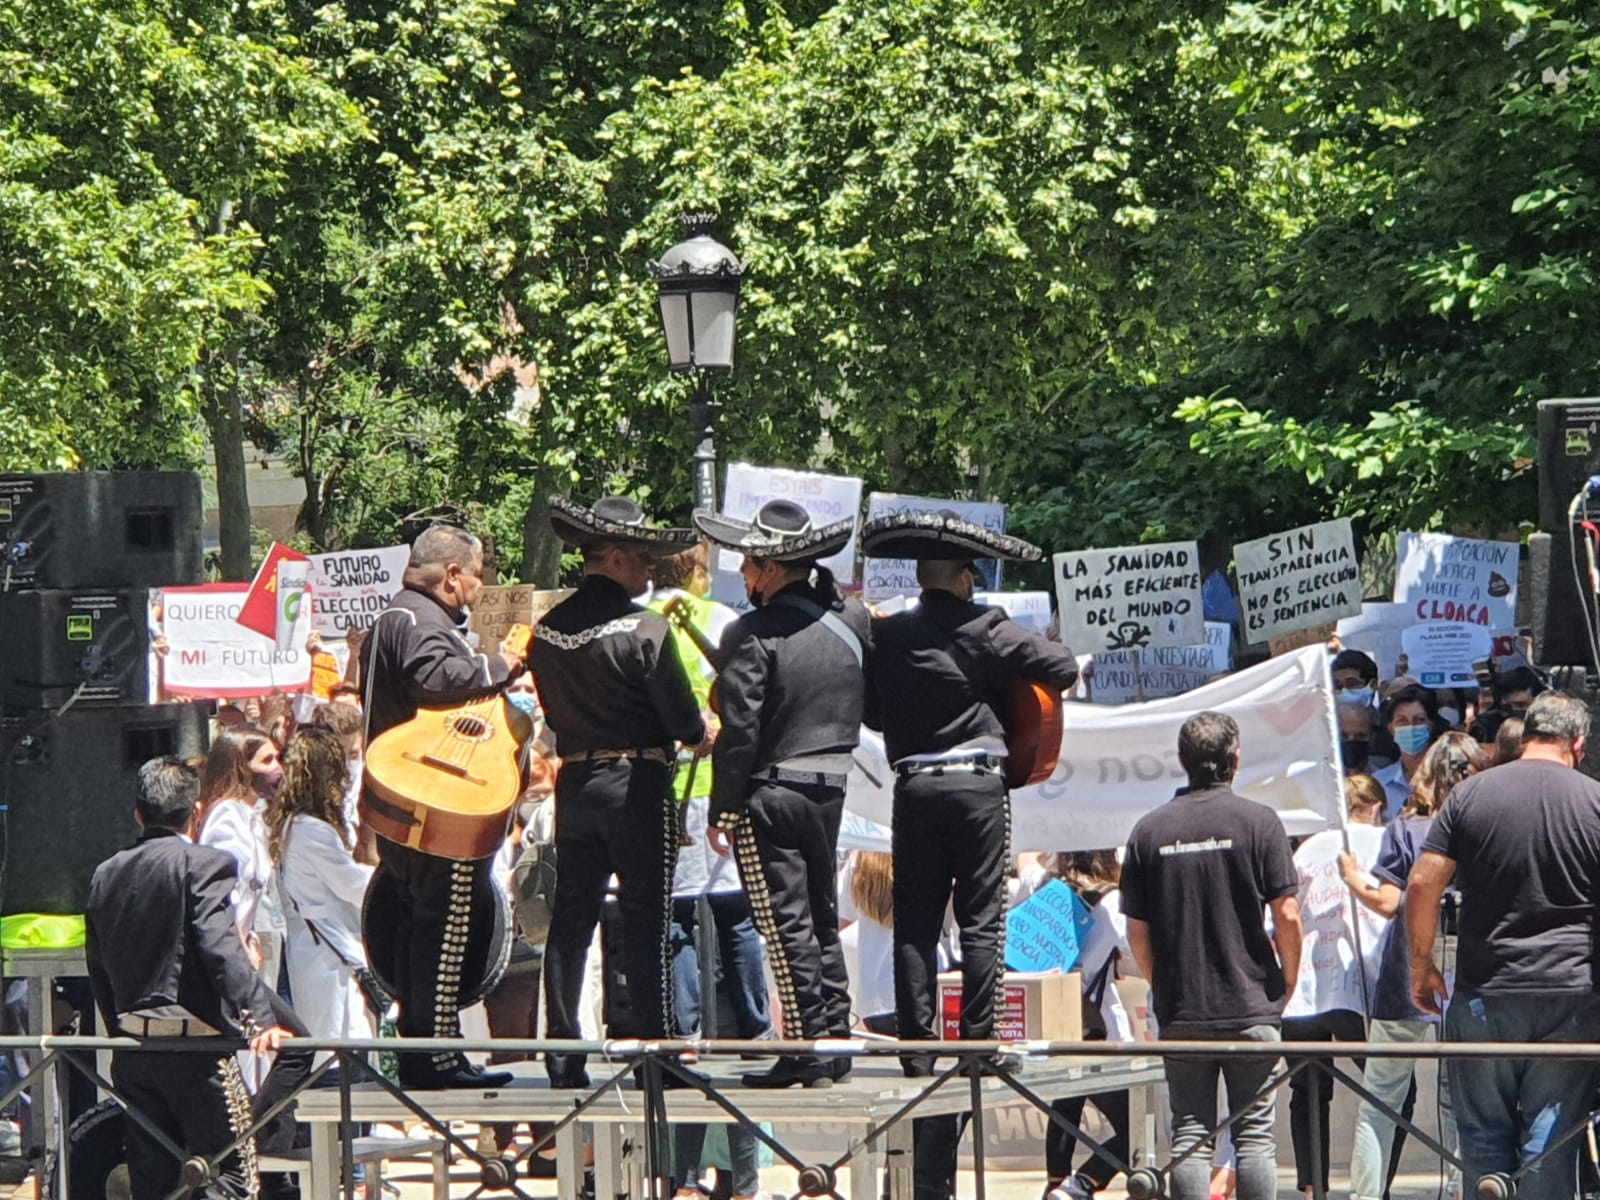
(79, 554)
(1560, 585)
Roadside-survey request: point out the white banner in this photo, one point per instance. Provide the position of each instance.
(1168, 671)
(1460, 580)
(349, 588)
(885, 577)
(1130, 597)
(1119, 763)
(210, 654)
(827, 498)
(1342, 938)
(1294, 580)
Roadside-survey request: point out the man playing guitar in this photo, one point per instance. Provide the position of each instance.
(429, 931)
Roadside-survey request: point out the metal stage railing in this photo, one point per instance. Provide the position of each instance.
(642, 1084)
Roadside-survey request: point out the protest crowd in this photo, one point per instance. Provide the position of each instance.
(689, 783)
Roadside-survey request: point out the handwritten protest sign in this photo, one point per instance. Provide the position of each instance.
(1046, 932)
(1166, 671)
(1311, 635)
(1376, 632)
(1441, 654)
(1031, 610)
(1131, 597)
(1341, 941)
(209, 654)
(827, 498)
(885, 577)
(1304, 577)
(499, 608)
(349, 588)
(1457, 579)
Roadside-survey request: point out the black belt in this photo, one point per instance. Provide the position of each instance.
(807, 778)
(166, 1026)
(975, 764)
(649, 754)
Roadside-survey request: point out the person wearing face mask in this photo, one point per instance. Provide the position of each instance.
(347, 722)
(1410, 717)
(616, 698)
(793, 693)
(430, 922)
(1355, 679)
(1355, 738)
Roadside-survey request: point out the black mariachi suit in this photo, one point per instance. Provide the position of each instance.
(610, 679)
(160, 935)
(439, 931)
(952, 831)
(792, 695)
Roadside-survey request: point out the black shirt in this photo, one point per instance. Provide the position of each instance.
(418, 657)
(791, 692)
(1525, 838)
(1200, 871)
(609, 675)
(926, 701)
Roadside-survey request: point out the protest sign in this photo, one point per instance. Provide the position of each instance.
(1376, 631)
(885, 577)
(1130, 597)
(1047, 931)
(1311, 635)
(1340, 940)
(210, 654)
(349, 588)
(1460, 580)
(1294, 580)
(1031, 610)
(1119, 763)
(1440, 654)
(1164, 672)
(499, 608)
(261, 611)
(827, 498)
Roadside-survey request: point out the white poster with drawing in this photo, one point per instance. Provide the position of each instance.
(1130, 597)
(1167, 671)
(1459, 580)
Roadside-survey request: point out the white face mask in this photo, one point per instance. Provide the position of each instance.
(1450, 716)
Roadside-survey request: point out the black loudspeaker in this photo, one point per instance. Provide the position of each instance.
(54, 642)
(1569, 455)
(92, 529)
(68, 785)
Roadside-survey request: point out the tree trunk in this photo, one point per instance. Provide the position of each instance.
(225, 419)
(541, 549)
(894, 459)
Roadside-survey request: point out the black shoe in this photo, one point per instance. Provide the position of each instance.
(569, 1078)
(842, 1066)
(917, 1066)
(803, 1069)
(464, 1076)
(672, 1082)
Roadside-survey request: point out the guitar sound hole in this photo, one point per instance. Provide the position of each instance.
(473, 728)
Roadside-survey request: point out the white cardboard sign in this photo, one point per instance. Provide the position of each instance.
(349, 588)
(885, 577)
(1167, 671)
(1130, 597)
(1297, 579)
(1459, 580)
(1377, 631)
(210, 654)
(1440, 654)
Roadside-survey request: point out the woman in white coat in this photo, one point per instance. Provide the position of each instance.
(322, 886)
(242, 775)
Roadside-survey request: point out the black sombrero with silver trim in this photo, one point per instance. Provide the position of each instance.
(941, 536)
(782, 532)
(614, 519)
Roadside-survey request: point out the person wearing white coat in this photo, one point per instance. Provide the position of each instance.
(322, 887)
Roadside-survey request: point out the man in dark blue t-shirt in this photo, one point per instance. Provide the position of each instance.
(1197, 878)
(1522, 842)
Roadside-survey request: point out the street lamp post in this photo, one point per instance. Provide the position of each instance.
(699, 282)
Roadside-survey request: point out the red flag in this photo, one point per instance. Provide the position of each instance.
(260, 611)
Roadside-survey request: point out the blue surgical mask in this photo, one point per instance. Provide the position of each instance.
(525, 703)
(1355, 695)
(1412, 739)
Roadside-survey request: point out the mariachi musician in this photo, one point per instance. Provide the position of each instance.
(941, 678)
(615, 695)
(792, 691)
(431, 922)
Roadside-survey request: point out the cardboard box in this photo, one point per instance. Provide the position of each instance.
(1034, 1006)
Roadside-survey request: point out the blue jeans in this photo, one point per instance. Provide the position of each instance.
(1509, 1110)
(1192, 1088)
(738, 949)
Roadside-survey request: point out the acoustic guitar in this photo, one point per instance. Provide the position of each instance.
(1032, 720)
(680, 612)
(446, 781)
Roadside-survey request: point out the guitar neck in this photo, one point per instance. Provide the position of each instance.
(703, 644)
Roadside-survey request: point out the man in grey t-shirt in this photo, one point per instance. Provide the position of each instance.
(1522, 842)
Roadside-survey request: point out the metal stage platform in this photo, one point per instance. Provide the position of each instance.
(616, 1121)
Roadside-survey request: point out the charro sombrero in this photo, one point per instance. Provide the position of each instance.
(613, 519)
(941, 535)
(782, 532)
